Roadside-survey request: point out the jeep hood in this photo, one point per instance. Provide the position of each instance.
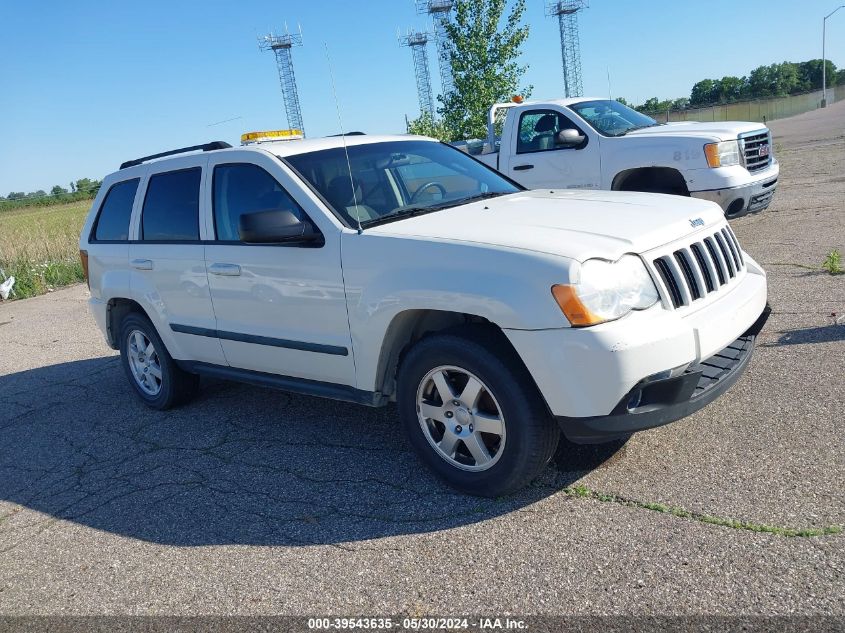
(721, 130)
(575, 224)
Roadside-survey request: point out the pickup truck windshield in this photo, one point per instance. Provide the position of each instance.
(612, 118)
(397, 179)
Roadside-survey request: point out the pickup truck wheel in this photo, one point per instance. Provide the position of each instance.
(473, 415)
(156, 378)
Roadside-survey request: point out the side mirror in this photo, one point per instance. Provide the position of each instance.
(274, 227)
(569, 138)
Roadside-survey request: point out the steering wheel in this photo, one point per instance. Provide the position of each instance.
(434, 184)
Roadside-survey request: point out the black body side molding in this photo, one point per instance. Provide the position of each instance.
(319, 348)
(287, 383)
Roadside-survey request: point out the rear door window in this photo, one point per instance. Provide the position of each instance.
(171, 207)
(113, 221)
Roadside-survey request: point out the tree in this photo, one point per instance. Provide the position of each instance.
(775, 80)
(86, 185)
(702, 92)
(58, 191)
(810, 74)
(728, 89)
(483, 62)
(655, 105)
(427, 125)
(680, 104)
(623, 101)
(16, 195)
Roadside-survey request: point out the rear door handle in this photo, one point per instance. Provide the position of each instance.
(142, 264)
(225, 270)
(523, 167)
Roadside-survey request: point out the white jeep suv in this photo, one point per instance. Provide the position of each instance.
(401, 269)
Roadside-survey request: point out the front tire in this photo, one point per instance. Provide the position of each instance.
(472, 413)
(151, 371)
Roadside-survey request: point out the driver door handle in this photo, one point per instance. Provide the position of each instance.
(523, 167)
(225, 270)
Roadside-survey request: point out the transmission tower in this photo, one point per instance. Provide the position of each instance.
(281, 46)
(566, 12)
(417, 41)
(439, 11)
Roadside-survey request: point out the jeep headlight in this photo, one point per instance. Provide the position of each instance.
(606, 291)
(724, 154)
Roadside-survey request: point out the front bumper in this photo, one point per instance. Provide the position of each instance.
(749, 198)
(585, 372)
(653, 403)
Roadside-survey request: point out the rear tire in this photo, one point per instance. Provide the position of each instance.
(491, 434)
(151, 371)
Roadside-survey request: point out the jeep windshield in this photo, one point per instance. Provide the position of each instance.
(612, 118)
(397, 179)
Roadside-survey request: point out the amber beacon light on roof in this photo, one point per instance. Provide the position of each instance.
(249, 138)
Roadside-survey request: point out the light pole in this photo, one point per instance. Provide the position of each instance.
(824, 62)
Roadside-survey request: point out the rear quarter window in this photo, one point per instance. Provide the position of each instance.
(171, 206)
(112, 224)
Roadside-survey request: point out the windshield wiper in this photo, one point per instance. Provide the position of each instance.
(409, 212)
(637, 127)
(480, 196)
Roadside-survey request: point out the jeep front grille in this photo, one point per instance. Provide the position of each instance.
(751, 145)
(695, 271)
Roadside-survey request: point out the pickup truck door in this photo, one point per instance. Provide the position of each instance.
(280, 308)
(536, 159)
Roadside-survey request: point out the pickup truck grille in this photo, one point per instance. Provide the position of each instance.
(756, 149)
(693, 272)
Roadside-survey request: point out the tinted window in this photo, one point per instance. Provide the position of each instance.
(244, 188)
(113, 221)
(538, 130)
(171, 208)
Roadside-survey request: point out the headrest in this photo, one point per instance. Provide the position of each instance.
(547, 123)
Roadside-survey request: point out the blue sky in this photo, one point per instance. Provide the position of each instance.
(85, 85)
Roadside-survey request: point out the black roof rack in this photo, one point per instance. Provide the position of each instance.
(347, 134)
(207, 147)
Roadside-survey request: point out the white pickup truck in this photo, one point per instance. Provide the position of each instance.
(586, 143)
(400, 269)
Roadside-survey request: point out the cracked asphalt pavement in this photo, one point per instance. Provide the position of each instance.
(250, 501)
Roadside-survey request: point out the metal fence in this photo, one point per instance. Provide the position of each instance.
(760, 110)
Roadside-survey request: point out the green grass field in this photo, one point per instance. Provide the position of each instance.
(39, 246)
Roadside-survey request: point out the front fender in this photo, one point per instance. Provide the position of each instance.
(385, 276)
(668, 152)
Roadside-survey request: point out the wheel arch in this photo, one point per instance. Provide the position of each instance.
(649, 179)
(410, 326)
(117, 308)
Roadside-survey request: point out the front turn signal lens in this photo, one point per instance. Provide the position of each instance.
(573, 309)
(724, 154)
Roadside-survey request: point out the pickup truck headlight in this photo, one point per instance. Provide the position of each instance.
(724, 154)
(606, 291)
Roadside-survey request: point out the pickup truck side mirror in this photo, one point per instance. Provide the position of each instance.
(569, 138)
(274, 227)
